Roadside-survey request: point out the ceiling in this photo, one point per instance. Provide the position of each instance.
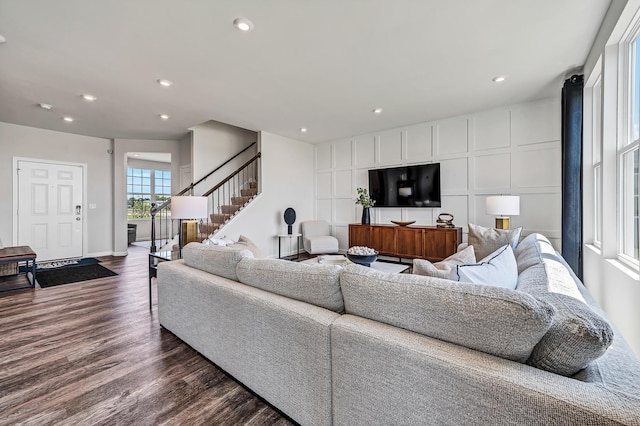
(323, 65)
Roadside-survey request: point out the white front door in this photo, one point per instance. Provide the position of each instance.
(50, 209)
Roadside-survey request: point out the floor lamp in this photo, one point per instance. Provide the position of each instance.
(503, 206)
(189, 207)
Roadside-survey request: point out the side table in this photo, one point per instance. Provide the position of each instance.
(298, 238)
(155, 259)
(20, 254)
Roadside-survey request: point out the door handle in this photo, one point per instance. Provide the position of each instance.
(78, 209)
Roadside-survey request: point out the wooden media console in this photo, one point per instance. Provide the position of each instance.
(424, 242)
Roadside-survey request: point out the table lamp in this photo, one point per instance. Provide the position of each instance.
(503, 206)
(188, 207)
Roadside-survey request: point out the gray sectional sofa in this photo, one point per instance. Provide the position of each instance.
(354, 346)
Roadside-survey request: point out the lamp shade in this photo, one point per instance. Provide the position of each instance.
(188, 207)
(503, 205)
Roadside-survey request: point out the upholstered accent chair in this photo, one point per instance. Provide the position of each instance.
(317, 239)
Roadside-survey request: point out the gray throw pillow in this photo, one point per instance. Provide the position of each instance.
(487, 240)
(443, 268)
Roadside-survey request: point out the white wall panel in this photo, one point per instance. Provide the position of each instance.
(422, 216)
(493, 173)
(418, 142)
(323, 184)
(492, 129)
(478, 157)
(390, 147)
(458, 206)
(345, 210)
(479, 214)
(536, 122)
(538, 166)
(452, 136)
(361, 180)
(343, 185)
(365, 151)
(342, 234)
(454, 175)
(540, 213)
(323, 208)
(342, 154)
(323, 157)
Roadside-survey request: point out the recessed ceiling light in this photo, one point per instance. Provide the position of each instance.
(45, 106)
(303, 129)
(243, 24)
(67, 119)
(2, 39)
(165, 83)
(89, 98)
(377, 111)
(164, 116)
(499, 79)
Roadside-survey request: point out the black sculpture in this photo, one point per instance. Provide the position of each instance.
(289, 219)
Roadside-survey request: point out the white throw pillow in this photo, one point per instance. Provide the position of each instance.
(497, 269)
(443, 268)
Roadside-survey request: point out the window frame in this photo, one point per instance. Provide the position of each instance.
(629, 46)
(152, 195)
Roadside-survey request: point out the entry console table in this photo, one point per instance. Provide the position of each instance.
(425, 242)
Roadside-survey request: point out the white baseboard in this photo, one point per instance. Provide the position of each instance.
(102, 253)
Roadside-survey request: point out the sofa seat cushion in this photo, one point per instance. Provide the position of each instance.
(217, 260)
(487, 240)
(579, 334)
(443, 268)
(498, 321)
(321, 244)
(311, 283)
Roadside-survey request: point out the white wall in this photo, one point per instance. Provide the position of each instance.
(510, 150)
(214, 143)
(120, 149)
(29, 142)
(287, 181)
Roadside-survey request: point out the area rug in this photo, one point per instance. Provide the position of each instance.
(72, 274)
(54, 264)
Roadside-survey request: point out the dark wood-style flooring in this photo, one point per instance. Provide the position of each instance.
(91, 353)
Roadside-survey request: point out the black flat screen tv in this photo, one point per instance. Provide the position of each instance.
(406, 186)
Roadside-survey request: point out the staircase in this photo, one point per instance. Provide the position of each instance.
(225, 201)
(228, 211)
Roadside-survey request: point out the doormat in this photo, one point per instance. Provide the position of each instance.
(72, 274)
(54, 264)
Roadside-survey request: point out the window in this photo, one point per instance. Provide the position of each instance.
(145, 187)
(597, 161)
(628, 160)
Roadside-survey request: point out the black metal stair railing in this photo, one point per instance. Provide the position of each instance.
(225, 200)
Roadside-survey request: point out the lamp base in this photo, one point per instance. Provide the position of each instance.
(502, 222)
(189, 232)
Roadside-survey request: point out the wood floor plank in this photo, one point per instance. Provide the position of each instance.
(93, 353)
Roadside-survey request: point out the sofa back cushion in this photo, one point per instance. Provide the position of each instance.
(217, 260)
(495, 320)
(311, 283)
(579, 334)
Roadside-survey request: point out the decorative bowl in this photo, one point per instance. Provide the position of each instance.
(363, 259)
(403, 222)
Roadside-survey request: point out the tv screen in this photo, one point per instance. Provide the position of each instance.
(406, 186)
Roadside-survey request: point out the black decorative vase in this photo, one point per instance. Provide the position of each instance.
(366, 216)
